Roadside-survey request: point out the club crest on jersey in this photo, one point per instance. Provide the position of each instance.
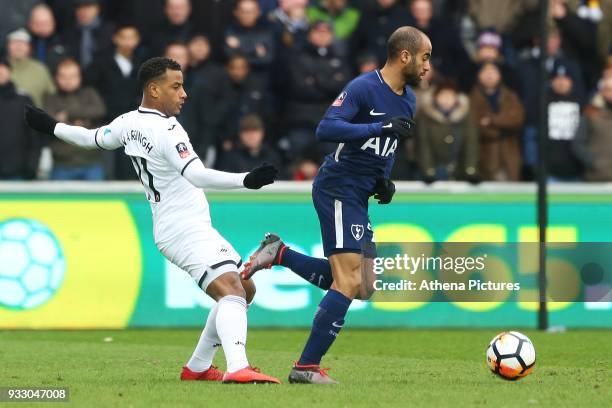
(357, 230)
(340, 99)
(182, 150)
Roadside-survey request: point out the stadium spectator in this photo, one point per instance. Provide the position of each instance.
(489, 50)
(450, 58)
(204, 71)
(290, 26)
(376, 24)
(251, 149)
(46, 43)
(342, 17)
(307, 165)
(203, 114)
(594, 139)
(529, 69)
(367, 63)
(241, 95)
(604, 32)
(316, 77)
(146, 15)
(19, 145)
(499, 115)
(212, 17)
(447, 138)
(179, 52)
(91, 36)
(28, 75)
(63, 10)
(579, 38)
(252, 37)
(406, 165)
(114, 77)
(564, 106)
(177, 26)
(290, 23)
(501, 15)
(14, 15)
(78, 106)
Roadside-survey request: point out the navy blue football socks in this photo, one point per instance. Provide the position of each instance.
(326, 325)
(315, 270)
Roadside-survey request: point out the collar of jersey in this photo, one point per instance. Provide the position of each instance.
(152, 111)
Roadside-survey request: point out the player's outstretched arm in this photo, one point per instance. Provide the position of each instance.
(41, 121)
(338, 130)
(341, 131)
(204, 178)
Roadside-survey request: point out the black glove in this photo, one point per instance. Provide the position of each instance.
(260, 176)
(403, 126)
(383, 191)
(40, 120)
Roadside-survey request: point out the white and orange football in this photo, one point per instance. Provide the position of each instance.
(511, 355)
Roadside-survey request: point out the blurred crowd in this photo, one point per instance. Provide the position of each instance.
(260, 74)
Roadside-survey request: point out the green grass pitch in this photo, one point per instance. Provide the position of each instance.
(376, 368)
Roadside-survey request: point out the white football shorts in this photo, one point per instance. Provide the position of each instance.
(204, 255)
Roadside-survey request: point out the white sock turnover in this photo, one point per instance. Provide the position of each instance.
(208, 344)
(232, 330)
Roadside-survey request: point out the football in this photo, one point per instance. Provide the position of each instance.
(511, 355)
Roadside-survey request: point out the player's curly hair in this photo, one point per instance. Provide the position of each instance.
(404, 38)
(155, 68)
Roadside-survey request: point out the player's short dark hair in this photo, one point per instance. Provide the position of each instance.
(404, 38)
(155, 68)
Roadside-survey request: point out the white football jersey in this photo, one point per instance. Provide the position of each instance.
(160, 151)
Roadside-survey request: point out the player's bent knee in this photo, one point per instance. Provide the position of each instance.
(249, 289)
(349, 287)
(227, 284)
(347, 271)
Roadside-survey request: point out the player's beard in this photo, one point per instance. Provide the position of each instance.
(412, 76)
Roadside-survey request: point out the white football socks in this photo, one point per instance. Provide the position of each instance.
(208, 344)
(232, 330)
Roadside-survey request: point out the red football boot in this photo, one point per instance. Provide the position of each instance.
(249, 375)
(212, 374)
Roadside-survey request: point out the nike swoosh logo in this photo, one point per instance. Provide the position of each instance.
(337, 325)
(390, 125)
(376, 113)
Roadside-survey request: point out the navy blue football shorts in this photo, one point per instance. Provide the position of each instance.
(345, 224)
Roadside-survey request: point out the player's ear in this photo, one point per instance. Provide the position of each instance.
(405, 57)
(153, 89)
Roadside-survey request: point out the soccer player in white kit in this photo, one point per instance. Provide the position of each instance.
(173, 176)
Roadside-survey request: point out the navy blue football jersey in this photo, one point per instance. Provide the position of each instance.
(354, 120)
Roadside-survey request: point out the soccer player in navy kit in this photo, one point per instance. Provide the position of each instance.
(367, 120)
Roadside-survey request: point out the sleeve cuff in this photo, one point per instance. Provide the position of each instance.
(376, 129)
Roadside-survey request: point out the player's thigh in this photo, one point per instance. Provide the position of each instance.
(226, 284)
(249, 289)
(344, 221)
(206, 256)
(368, 277)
